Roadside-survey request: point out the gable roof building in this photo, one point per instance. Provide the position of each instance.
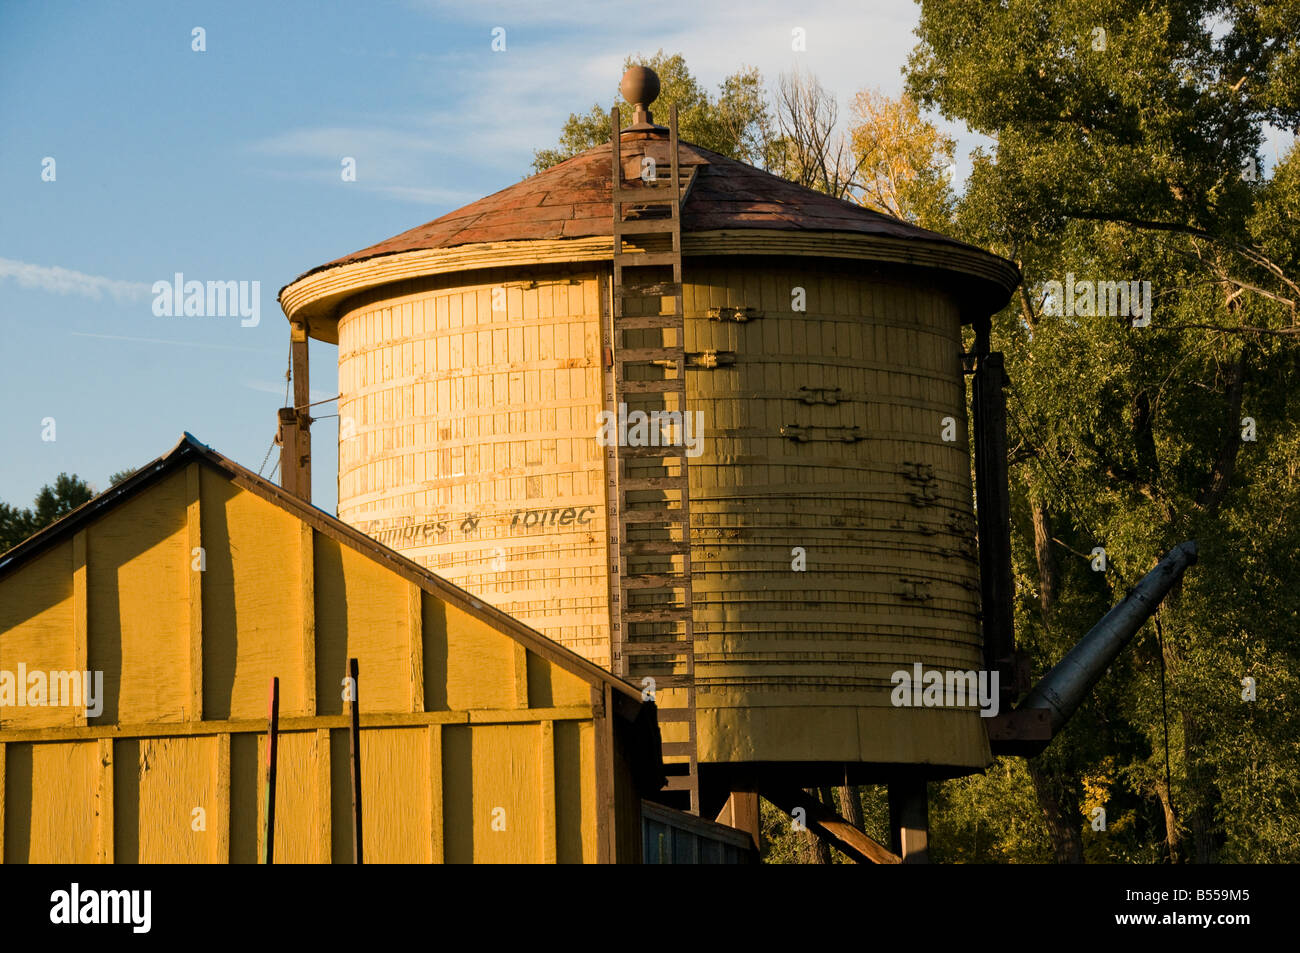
(185, 589)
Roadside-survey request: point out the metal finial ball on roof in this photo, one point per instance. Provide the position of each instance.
(640, 87)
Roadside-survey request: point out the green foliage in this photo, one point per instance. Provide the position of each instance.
(1137, 162)
(736, 123)
(52, 503)
(988, 818)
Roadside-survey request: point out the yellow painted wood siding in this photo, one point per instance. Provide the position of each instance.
(467, 421)
(458, 718)
(796, 665)
(791, 666)
(137, 572)
(39, 632)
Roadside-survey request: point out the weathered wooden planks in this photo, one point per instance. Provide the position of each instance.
(147, 782)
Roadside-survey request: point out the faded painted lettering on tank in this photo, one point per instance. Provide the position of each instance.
(406, 530)
(550, 519)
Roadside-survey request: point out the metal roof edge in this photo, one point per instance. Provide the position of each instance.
(314, 296)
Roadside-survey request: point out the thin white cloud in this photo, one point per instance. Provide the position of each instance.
(393, 162)
(317, 396)
(563, 58)
(64, 281)
(200, 344)
(337, 141)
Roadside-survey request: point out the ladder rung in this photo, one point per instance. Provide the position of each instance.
(681, 782)
(622, 322)
(655, 581)
(662, 182)
(671, 647)
(672, 681)
(656, 452)
(669, 386)
(677, 749)
(645, 259)
(655, 615)
(645, 226)
(643, 355)
(656, 289)
(657, 548)
(628, 484)
(660, 515)
(638, 197)
(676, 715)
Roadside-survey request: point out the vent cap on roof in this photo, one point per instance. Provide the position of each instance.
(640, 87)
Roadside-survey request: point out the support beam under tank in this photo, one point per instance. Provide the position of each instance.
(830, 827)
(909, 820)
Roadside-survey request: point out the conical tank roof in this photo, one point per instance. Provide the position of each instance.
(572, 201)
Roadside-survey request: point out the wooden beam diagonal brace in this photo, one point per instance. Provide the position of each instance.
(830, 827)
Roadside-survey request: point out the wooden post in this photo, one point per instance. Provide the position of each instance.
(993, 509)
(606, 827)
(272, 739)
(819, 851)
(354, 752)
(287, 438)
(301, 399)
(909, 820)
(741, 812)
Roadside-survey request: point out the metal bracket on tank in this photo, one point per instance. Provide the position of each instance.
(917, 472)
(737, 314)
(819, 395)
(803, 434)
(922, 476)
(703, 360)
(927, 496)
(915, 590)
(961, 524)
(908, 526)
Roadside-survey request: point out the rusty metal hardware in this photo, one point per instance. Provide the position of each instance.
(731, 313)
(819, 395)
(804, 434)
(915, 590)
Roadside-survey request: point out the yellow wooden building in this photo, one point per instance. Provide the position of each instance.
(192, 584)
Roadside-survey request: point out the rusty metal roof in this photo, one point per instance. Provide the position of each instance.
(572, 200)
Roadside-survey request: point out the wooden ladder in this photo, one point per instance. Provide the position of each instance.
(651, 628)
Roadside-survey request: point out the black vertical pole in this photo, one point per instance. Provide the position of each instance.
(993, 510)
(354, 747)
(272, 754)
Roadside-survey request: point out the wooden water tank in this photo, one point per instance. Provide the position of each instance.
(832, 533)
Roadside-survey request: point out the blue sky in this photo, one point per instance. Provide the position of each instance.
(224, 165)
